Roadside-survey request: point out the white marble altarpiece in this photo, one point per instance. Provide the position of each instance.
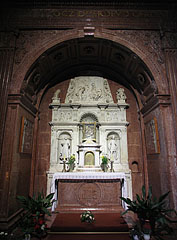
(89, 124)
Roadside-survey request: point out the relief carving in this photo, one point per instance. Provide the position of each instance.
(89, 194)
(64, 116)
(88, 89)
(28, 41)
(151, 42)
(26, 136)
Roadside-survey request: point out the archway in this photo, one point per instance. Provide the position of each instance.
(90, 57)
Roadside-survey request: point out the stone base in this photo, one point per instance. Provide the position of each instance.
(89, 169)
(77, 194)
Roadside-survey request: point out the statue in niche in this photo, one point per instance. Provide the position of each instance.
(120, 94)
(65, 148)
(113, 148)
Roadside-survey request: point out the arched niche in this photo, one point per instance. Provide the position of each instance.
(89, 159)
(89, 127)
(64, 145)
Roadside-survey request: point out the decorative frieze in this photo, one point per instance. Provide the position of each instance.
(66, 17)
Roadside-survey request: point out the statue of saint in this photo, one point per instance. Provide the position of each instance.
(65, 150)
(120, 94)
(113, 148)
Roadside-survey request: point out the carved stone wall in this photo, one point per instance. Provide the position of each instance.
(89, 96)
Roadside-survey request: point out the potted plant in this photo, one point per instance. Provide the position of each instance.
(87, 217)
(104, 163)
(71, 163)
(152, 213)
(38, 204)
(33, 221)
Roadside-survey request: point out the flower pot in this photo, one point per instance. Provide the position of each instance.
(135, 237)
(104, 167)
(71, 167)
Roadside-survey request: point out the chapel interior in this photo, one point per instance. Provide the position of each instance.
(89, 79)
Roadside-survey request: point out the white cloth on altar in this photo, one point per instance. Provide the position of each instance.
(87, 175)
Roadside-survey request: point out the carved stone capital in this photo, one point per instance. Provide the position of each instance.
(156, 101)
(169, 40)
(24, 101)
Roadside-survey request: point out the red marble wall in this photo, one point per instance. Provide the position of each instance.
(16, 166)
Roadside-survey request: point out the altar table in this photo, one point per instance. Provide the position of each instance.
(79, 185)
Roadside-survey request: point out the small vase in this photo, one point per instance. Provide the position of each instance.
(146, 236)
(27, 236)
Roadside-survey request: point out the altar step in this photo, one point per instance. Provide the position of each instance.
(107, 225)
(88, 236)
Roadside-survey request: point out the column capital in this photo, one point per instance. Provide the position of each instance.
(157, 100)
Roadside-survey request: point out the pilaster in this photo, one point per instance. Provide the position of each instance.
(15, 165)
(7, 46)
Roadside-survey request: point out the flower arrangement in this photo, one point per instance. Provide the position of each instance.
(33, 221)
(7, 236)
(104, 160)
(72, 159)
(104, 163)
(71, 163)
(87, 216)
(40, 226)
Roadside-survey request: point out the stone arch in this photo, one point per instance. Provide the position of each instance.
(38, 53)
(89, 115)
(33, 75)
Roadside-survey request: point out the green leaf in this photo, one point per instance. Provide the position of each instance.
(143, 191)
(150, 192)
(125, 212)
(163, 196)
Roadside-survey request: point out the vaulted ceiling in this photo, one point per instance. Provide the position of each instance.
(88, 56)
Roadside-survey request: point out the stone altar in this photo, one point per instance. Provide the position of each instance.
(99, 184)
(89, 125)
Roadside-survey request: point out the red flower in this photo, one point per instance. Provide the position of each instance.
(37, 226)
(41, 221)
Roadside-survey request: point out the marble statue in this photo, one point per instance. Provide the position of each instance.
(65, 148)
(113, 148)
(120, 94)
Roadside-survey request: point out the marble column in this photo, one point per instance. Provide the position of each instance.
(171, 63)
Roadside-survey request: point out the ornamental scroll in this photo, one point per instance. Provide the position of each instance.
(152, 137)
